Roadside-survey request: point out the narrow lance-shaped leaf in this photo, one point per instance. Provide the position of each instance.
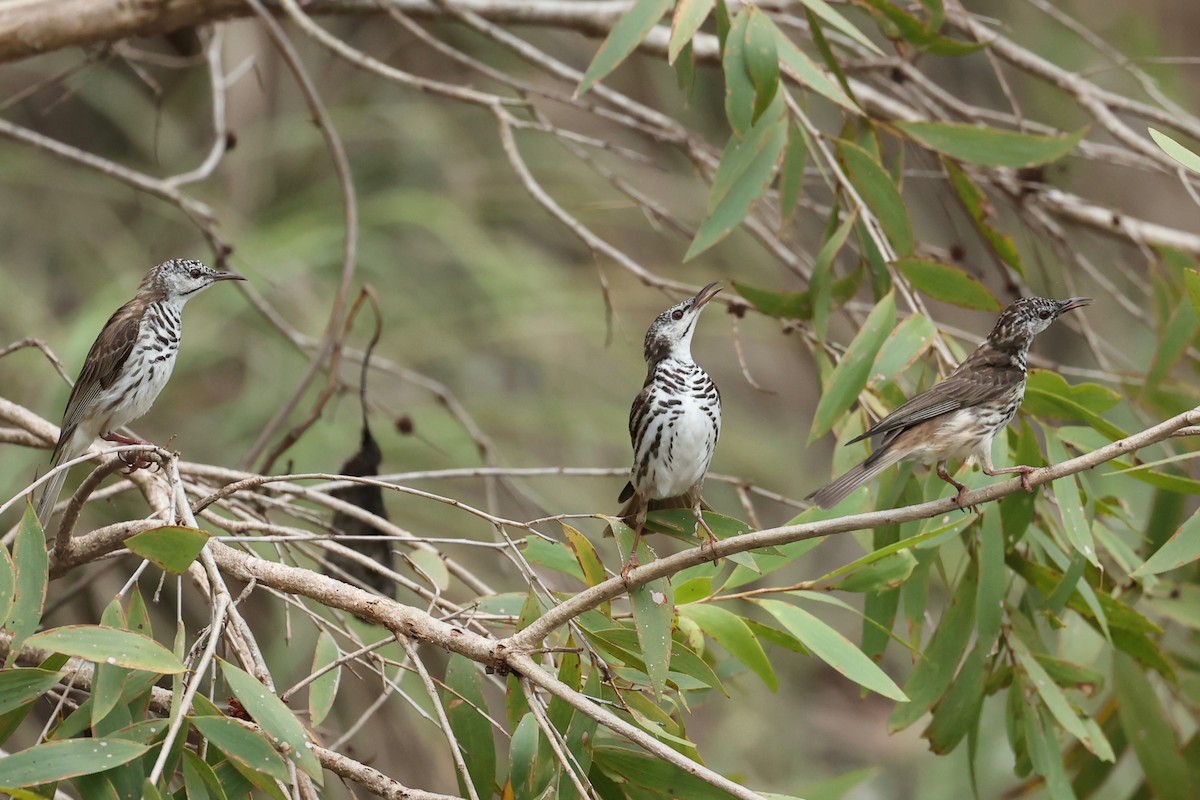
(731, 632)
(274, 717)
(851, 373)
(689, 16)
(947, 283)
(32, 564)
(107, 645)
(991, 147)
(172, 548)
(1058, 704)
(879, 192)
(1148, 730)
(736, 191)
(1175, 150)
(58, 761)
(829, 14)
(762, 60)
(624, 38)
(834, 649)
(1182, 548)
(821, 284)
(1070, 503)
(323, 690)
(463, 700)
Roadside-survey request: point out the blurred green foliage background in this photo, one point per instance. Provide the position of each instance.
(487, 295)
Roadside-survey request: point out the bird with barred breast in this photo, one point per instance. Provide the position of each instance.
(958, 417)
(674, 423)
(127, 366)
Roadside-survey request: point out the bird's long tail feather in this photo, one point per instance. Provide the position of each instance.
(68, 447)
(829, 496)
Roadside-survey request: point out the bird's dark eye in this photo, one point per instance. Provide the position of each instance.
(677, 314)
(1044, 315)
(195, 273)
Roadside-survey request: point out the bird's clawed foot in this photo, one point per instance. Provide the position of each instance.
(630, 564)
(1025, 473)
(710, 538)
(962, 489)
(135, 460)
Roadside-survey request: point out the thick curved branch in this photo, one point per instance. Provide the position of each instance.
(532, 636)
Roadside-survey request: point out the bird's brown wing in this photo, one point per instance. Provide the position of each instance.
(637, 425)
(103, 363)
(962, 389)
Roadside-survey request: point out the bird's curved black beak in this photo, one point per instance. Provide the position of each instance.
(1073, 302)
(705, 294)
(228, 276)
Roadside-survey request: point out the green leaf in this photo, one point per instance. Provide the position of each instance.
(1175, 150)
(791, 176)
(993, 577)
(762, 60)
(199, 780)
(752, 162)
(1070, 503)
(689, 16)
(948, 284)
(1041, 402)
(820, 286)
(849, 377)
(935, 671)
(108, 682)
(907, 342)
(1056, 702)
(323, 690)
(105, 645)
(275, 718)
(523, 752)
(1191, 281)
(653, 612)
(829, 14)
(990, 147)
(739, 89)
(589, 561)
(554, 555)
(1148, 729)
(957, 713)
(1173, 341)
(879, 192)
(248, 748)
(172, 548)
(463, 700)
(978, 208)
(653, 776)
(886, 573)
(8, 585)
(432, 566)
(1090, 396)
(19, 686)
(57, 761)
(806, 72)
(834, 649)
(731, 632)
(1182, 548)
(624, 38)
(32, 564)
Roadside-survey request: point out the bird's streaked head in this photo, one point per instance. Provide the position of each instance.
(181, 278)
(1028, 317)
(671, 332)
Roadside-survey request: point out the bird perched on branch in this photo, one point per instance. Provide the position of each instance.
(674, 422)
(958, 417)
(128, 366)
